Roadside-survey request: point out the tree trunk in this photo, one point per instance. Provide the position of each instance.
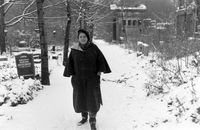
(84, 15)
(87, 25)
(82, 20)
(198, 11)
(67, 33)
(2, 28)
(43, 44)
(90, 28)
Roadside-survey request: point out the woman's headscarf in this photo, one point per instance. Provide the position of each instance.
(85, 32)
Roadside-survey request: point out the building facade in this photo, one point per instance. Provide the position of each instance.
(128, 22)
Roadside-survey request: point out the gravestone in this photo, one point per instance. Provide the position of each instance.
(3, 58)
(25, 65)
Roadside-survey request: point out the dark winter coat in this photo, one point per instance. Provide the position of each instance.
(83, 66)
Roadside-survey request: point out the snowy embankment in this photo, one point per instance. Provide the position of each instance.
(127, 102)
(15, 90)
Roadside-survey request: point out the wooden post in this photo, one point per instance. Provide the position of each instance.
(114, 29)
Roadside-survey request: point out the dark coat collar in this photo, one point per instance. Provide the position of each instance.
(76, 46)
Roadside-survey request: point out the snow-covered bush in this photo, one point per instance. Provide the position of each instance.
(7, 72)
(184, 103)
(3, 94)
(179, 86)
(162, 76)
(14, 90)
(19, 91)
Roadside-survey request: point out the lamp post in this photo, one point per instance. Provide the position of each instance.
(5, 31)
(36, 43)
(6, 42)
(54, 35)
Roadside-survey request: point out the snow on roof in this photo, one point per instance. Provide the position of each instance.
(160, 28)
(22, 52)
(142, 43)
(22, 42)
(140, 7)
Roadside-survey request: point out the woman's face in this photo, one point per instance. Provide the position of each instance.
(82, 38)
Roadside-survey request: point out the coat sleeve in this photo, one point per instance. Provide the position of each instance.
(69, 68)
(102, 64)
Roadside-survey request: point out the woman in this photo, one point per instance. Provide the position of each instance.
(85, 64)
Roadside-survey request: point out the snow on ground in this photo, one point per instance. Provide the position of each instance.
(125, 104)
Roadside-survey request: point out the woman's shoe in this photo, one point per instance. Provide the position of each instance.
(93, 125)
(83, 121)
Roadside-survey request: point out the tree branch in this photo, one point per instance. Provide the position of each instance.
(4, 4)
(60, 17)
(19, 17)
(9, 6)
(22, 14)
(94, 21)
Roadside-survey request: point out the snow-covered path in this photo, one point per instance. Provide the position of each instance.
(125, 105)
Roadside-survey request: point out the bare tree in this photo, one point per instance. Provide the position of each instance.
(198, 11)
(44, 48)
(91, 12)
(4, 7)
(2, 27)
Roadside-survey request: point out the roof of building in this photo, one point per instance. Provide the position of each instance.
(139, 7)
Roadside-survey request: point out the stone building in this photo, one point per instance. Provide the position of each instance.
(128, 22)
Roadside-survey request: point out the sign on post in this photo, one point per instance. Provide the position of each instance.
(25, 65)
